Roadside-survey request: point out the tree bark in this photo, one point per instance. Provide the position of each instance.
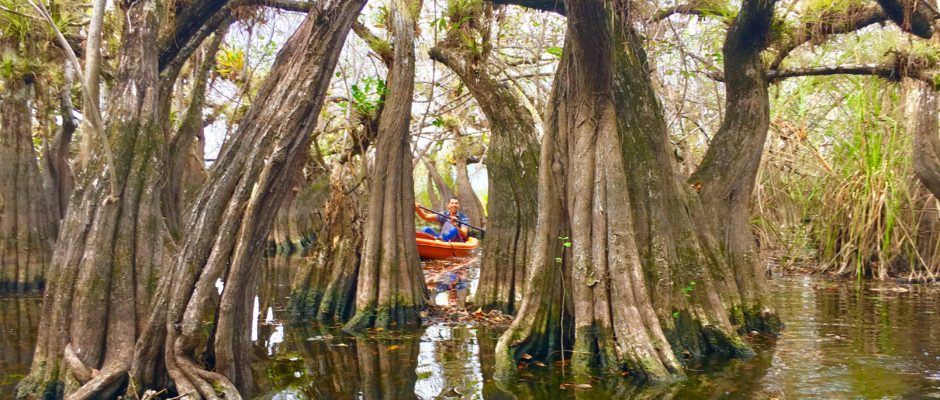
(185, 164)
(435, 196)
(325, 288)
(92, 78)
(912, 16)
(542, 326)
(926, 140)
(111, 250)
(469, 201)
(641, 298)
(695, 292)
(390, 289)
(58, 172)
(226, 231)
(27, 221)
(442, 187)
(113, 247)
(727, 175)
(511, 162)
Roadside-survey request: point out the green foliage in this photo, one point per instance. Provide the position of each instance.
(230, 63)
(843, 192)
(566, 243)
(460, 10)
(367, 96)
(555, 51)
(27, 43)
(719, 9)
(817, 10)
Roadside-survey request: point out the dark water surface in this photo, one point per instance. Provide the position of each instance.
(841, 341)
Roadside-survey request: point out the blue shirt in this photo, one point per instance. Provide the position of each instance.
(446, 226)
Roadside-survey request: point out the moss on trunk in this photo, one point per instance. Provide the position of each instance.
(511, 162)
(390, 288)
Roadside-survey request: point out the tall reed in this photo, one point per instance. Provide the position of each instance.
(839, 188)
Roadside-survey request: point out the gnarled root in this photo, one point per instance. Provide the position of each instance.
(193, 382)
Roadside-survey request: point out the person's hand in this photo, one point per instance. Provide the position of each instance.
(417, 206)
(453, 220)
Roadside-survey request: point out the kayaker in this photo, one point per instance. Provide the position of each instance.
(453, 227)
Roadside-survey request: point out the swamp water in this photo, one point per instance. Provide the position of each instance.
(841, 341)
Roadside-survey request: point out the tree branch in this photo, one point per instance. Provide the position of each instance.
(286, 5)
(377, 44)
(851, 20)
(555, 6)
(190, 23)
(914, 16)
(93, 112)
(887, 71)
(701, 8)
(687, 9)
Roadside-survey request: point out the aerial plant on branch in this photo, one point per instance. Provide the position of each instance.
(368, 96)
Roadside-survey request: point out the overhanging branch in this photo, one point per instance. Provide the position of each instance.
(886, 71)
(851, 20)
(380, 46)
(555, 6)
(914, 16)
(686, 9)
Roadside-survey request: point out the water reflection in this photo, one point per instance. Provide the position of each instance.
(19, 322)
(846, 341)
(841, 341)
(452, 282)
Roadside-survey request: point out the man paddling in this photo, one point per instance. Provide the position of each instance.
(453, 222)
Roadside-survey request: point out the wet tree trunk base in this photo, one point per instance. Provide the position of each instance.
(390, 289)
(648, 282)
(325, 288)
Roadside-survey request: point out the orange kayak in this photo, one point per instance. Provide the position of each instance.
(429, 247)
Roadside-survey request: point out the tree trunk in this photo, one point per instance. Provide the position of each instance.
(325, 288)
(727, 175)
(300, 216)
(926, 141)
(434, 195)
(111, 247)
(185, 160)
(442, 187)
(542, 326)
(469, 201)
(636, 305)
(58, 172)
(92, 78)
(226, 231)
(279, 239)
(511, 166)
(390, 288)
(88, 321)
(674, 237)
(27, 222)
